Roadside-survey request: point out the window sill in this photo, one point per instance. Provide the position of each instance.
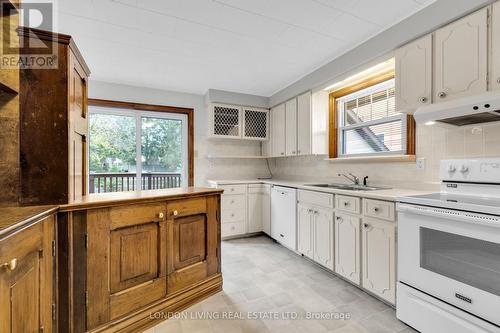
(374, 159)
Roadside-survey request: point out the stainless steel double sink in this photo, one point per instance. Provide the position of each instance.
(348, 187)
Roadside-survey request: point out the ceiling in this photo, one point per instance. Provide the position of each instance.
(249, 46)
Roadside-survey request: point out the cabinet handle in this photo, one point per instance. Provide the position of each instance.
(338, 218)
(442, 94)
(375, 209)
(282, 235)
(282, 153)
(10, 265)
(498, 80)
(161, 215)
(175, 213)
(346, 203)
(366, 225)
(422, 100)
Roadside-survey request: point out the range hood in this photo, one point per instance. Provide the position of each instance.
(483, 108)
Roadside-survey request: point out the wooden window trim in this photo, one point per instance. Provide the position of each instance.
(333, 113)
(158, 108)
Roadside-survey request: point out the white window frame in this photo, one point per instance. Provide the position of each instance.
(343, 128)
(138, 115)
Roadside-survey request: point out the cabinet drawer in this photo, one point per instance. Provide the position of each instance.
(379, 209)
(316, 198)
(234, 189)
(232, 215)
(124, 216)
(232, 229)
(348, 204)
(233, 202)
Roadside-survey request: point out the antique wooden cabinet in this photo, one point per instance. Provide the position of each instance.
(27, 278)
(53, 122)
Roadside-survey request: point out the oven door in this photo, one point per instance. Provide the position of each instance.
(453, 256)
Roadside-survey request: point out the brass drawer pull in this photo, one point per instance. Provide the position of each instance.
(175, 213)
(11, 265)
(161, 215)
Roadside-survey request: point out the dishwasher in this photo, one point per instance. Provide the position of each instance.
(284, 216)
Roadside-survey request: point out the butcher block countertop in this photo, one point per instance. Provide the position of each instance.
(15, 218)
(98, 200)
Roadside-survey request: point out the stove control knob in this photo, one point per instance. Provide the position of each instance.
(452, 169)
(464, 169)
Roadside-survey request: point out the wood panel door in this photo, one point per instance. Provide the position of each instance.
(126, 260)
(460, 66)
(77, 130)
(347, 247)
(27, 299)
(414, 75)
(193, 238)
(379, 258)
(291, 127)
(278, 131)
(305, 230)
(324, 226)
(304, 128)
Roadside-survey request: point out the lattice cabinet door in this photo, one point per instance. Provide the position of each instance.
(255, 123)
(225, 121)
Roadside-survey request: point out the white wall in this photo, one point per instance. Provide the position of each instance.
(204, 168)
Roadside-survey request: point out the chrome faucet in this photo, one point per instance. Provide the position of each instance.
(352, 178)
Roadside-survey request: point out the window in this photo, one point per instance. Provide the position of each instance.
(367, 121)
(132, 149)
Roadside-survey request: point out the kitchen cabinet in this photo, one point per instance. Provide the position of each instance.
(494, 73)
(414, 75)
(347, 246)
(305, 230)
(284, 216)
(324, 226)
(278, 116)
(291, 127)
(460, 64)
(234, 210)
(259, 214)
(238, 122)
(312, 123)
(379, 258)
(53, 123)
(304, 126)
(27, 267)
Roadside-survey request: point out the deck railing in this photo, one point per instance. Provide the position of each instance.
(126, 181)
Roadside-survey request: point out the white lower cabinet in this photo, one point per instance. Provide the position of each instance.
(379, 258)
(347, 246)
(323, 237)
(305, 230)
(233, 210)
(259, 210)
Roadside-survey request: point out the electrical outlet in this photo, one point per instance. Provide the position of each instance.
(421, 163)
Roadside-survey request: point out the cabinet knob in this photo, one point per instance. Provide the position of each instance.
(375, 209)
(161, 215)
(232, 201)
(282, 153)
(498, 80)
(175, 213)
(442, 94)
(10, 265)
(338, 218)
(346, 203)
(422, 100)
(293, 152)
(366, 225)
(298, 151)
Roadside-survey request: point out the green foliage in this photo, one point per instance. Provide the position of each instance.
(161, 145)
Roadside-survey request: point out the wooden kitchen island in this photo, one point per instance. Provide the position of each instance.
(118, 262)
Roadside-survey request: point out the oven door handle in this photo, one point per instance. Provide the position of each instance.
(467, 217)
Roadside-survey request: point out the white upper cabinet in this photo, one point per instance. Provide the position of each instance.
(236, 122)
(304, 130)
(494, 76)
(291, 127)
(414, 75)
(255, 123)
(461, 57)
(278, 131)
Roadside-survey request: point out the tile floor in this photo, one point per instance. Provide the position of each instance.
(263, 277)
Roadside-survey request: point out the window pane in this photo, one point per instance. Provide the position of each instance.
(161, 146)
(373, 139)
(112, 153)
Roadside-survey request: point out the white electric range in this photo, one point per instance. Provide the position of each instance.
(449, 251)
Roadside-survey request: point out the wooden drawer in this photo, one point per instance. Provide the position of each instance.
(232, 215)
(316, 198)
(232, 229)
(124, 216)
(233, 202)
(234, 189)
(348, 204)
(379, 209)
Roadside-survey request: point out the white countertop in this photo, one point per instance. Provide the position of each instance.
(389, 194)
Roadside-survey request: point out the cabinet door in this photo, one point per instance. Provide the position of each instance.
(324, 226)
(266, 210)
(304, 124)
(77, 130)
(192, 241)
(255, 201)
(26, 292)
(291, 127)
(495, 47)
(305, 230)
(278, 132)
(461, 58)
(347, 257)
(225, 121)
(414, 75)
(379, 267)
(126, 260)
